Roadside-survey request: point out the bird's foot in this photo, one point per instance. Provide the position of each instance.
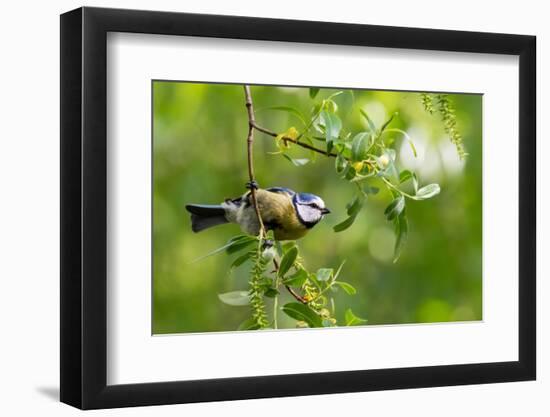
(252, 185)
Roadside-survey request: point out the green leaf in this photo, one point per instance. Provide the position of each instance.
(290, 110)
(428, 191)
(315, 110)
(287, 261)
(332, 125)
(339, 269)
(299, 162)
(313, 92)
(271, 293)
(330, 105)
(348, 288)
(235, 298)
(386, 124)
(371, 190)
(324, 274)
(313, 278)
(395, 208)
(350, 173)
(407, 138)
(340, 227)
(239, 238)
(319, 138)
(415, 182)
(239, 245)
(233, 241)
(340, 164)
(336, 94)
(413, 148)
(302, 312)
(356, 205)
(241, 260)
(248, 324)
(369, 121)
(405, 175)
(297, 279)
(360, 146)
(287, 246)
(401, 226)
(345, 101)
(352, 319)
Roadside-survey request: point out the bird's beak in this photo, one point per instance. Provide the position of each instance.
(325, 211)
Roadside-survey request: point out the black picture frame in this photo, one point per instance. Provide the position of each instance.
(84, 207)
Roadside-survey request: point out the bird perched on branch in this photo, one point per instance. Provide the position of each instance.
(289, 214)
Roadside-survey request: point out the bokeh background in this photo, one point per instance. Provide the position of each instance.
(199, 143)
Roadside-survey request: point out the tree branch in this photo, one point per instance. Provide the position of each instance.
(250, 147)
(287, 139)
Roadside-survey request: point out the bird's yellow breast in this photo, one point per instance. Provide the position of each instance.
(278, 213)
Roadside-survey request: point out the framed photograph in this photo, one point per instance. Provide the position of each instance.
(259, 208)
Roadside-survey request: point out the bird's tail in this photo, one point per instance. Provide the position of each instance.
(204, 216)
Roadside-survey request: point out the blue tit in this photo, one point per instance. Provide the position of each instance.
(289, 214)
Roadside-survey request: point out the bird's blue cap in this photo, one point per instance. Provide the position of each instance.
(305, 198)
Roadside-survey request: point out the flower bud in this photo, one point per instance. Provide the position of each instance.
(269, 253)
(358, 166)
(384, 160)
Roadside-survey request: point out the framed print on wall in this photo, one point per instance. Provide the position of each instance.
(258, 208)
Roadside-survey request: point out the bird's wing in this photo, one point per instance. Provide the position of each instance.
(237, 201)
(246, 196)
(281, 190)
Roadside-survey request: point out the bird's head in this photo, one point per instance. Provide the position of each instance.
(310, 208)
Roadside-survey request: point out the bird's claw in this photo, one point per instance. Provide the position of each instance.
(252, 185)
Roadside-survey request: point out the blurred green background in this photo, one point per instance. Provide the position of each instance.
(199, 143)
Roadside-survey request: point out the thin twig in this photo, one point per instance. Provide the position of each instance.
(250, 146)
(290, 290)
(287, 139)
(296, 295)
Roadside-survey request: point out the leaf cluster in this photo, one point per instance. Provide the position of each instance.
(365, 159)
(316, 306)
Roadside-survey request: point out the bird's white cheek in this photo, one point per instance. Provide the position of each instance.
(309, 214)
